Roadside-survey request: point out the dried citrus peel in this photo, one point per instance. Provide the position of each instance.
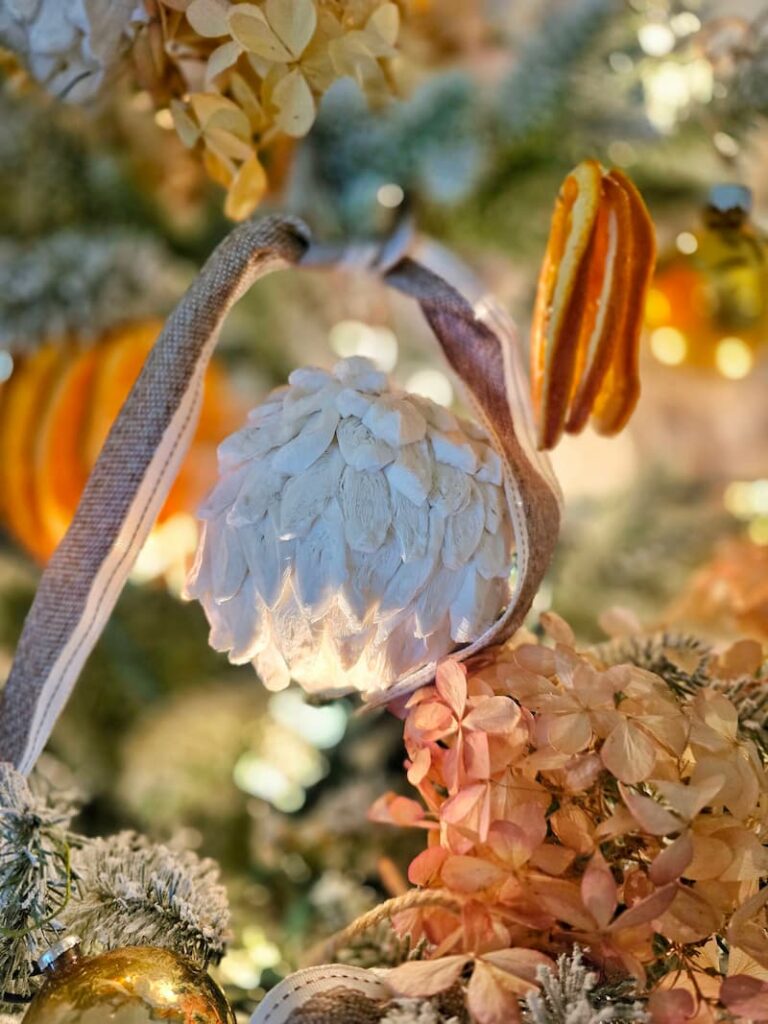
(588, 315)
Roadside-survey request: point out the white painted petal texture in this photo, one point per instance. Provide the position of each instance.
(356, 534)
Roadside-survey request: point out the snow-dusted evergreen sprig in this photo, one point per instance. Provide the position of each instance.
(750, 698)
(380, 947)
(415, 1011)
(137, 893)
(681, 659)
(74, 283)
(35, 876)
(571, 995)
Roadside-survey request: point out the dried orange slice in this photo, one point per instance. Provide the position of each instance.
(24, 401)
(587, 320)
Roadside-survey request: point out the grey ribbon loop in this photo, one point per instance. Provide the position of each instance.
(150, 436)
(127, 487)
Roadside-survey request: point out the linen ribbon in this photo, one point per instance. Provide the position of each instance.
(150, 436)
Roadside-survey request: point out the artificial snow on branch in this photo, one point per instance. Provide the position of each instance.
(571, 995)
(35, 874)
(137, 893)
(82, 284)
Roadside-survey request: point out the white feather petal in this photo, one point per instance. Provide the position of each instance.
(360, 448)
(364, 499)
(493, 498)
(261, 550)
(299, 453)
(411, 472)
(304, 497)
(432, 604)
(450, 489)
(260, 489)
(352, 403)
(360, 373)
(411, 524)
(272, 667)
(464, 530)
(245, 620)
(492, 558)
(253, 442)
(490, 470)
(223, 494)
(395, 420)
(228, 565)
(453, 448)
(309, 378)
(321, 563)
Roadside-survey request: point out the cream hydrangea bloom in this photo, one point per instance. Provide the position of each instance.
(356, 534)
(69, 45)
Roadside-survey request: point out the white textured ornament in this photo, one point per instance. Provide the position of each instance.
(357, 533)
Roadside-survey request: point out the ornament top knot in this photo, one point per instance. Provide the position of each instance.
(357, 533)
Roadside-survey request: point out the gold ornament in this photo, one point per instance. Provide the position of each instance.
(708, 305)
(134, 985)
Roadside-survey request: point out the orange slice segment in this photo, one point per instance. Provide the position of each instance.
(588, 314)
(607, 294)
(560, 299)
(23, 404)
(620, 391)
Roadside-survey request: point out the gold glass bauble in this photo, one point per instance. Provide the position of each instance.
(134, 985)
(708, 304)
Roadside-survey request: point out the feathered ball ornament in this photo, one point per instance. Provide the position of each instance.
(357, 534)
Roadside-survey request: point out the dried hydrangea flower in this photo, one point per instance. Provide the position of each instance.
(357, 533)
(71, 45)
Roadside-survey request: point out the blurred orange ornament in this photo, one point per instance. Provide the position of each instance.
(728, 597)
(708, 305)
(56, 410)
(588, 315)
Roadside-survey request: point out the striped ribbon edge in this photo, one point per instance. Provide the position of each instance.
(478, 350)
(281, 1002)
(127, 488)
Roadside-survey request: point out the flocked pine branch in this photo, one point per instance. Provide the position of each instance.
(416, 1011)
(571, 995)
(681, 659)
(80, 283)
(35, 844)
(750, 698)
(137, 893)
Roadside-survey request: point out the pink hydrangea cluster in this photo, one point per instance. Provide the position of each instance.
(570, 802)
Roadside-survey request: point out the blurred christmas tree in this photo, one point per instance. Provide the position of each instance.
(499, 100)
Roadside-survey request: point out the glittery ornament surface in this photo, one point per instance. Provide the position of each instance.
(136, 985)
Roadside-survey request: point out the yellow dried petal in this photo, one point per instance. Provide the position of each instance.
(226, 144)
(293, 21)
(296, 107)
(247, 190)
(208, 18)
(185, 126)
(206, 105)
(223, 57)
(218, 169)
(251, 29)
(247, 100)
(382, 29)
